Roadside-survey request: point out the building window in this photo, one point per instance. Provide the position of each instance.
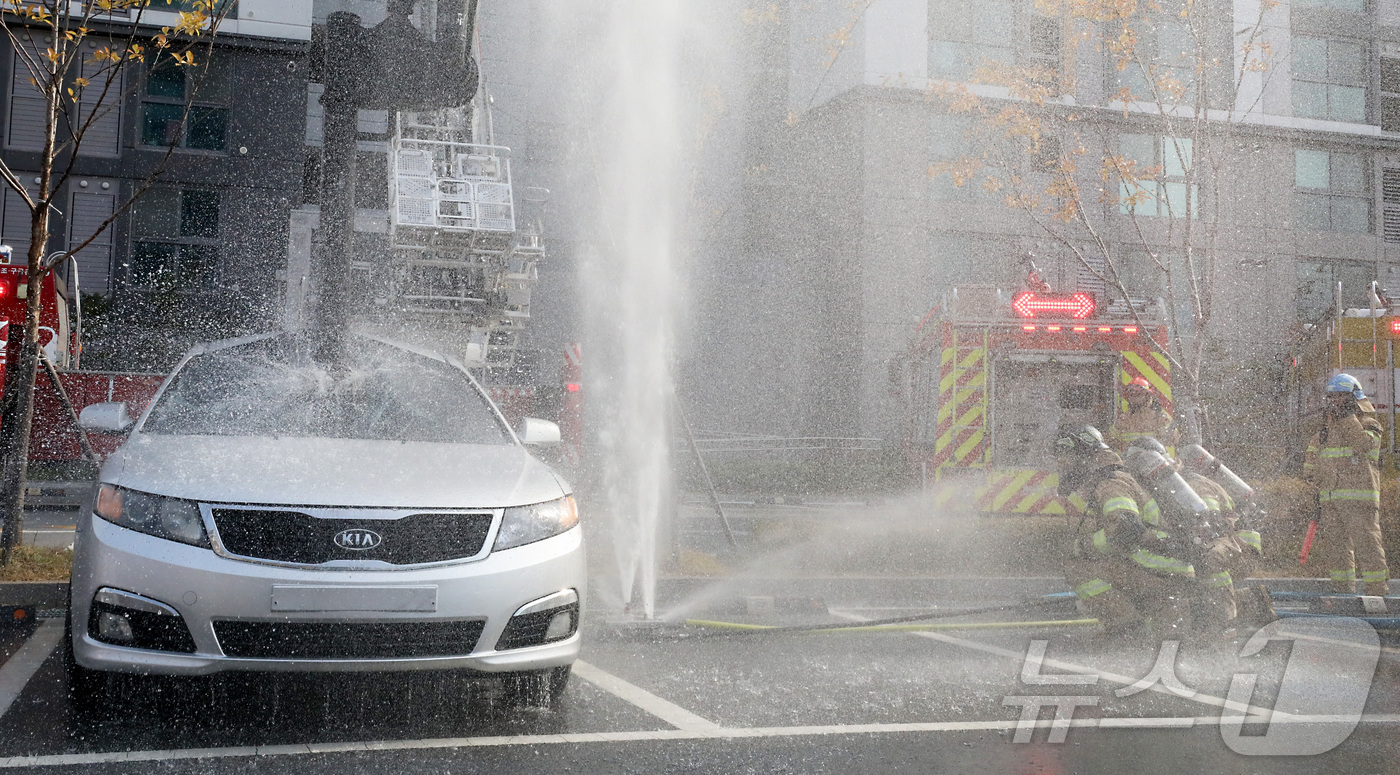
(1330, 192)
(1165, 193)
(1167, 51)
(969, 35)
(1317, 286)
(168, 91)
(1329, 79)
(176, 240)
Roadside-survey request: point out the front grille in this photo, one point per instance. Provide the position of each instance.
(294, 536)
(347, 640)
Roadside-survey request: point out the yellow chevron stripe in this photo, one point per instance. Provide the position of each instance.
(970, 417)
(950, 380)
(1011, 489)
(943, 441)
(968, 446)
(1164, 367)
(1153, 378)
(970, 361)
(951, 404)
(947, 355)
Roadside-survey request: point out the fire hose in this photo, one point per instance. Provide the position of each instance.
(895, 623)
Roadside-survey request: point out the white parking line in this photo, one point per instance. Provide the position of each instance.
(667, 711)
(1252, 713)
(21, 667)
(719, 733)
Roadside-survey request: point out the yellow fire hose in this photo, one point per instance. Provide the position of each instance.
(896, 627)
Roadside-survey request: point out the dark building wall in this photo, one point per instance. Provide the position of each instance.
(169, 284)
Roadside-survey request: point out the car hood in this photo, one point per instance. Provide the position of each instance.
(331, 472)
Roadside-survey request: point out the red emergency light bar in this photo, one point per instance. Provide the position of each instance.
(1395, 326)
(1030, 304)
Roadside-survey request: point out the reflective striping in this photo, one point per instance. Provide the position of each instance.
(1101, 541)
(1343, 575)
(1091, 588)
(1163, 564)
(1251, 538)
(1219, 580)
(1152, 513)
(1368, 496)
(1120, 503)
(1013, 488)
(1375, 576)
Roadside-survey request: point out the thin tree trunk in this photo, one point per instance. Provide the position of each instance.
(17, 403)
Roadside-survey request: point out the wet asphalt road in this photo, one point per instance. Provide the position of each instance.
(697, 701)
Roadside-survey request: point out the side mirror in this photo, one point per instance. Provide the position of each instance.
(532, 430)
(110, 417)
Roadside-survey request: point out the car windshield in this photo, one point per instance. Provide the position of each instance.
(276, 387)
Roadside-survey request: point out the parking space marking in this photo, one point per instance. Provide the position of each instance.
(1250, 711)
(718, 733)
(667, 711)
(21, 667)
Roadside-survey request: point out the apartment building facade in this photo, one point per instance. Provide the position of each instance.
(197, 256)
(847, 241)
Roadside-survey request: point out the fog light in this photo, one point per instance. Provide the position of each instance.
(114, 627)
(560, 626)
(546, 620)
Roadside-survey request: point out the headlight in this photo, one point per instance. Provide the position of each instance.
(527, 524)
(175, 519)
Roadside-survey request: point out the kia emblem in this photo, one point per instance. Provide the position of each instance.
(358, 539)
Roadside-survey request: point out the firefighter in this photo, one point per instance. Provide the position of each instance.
(1117, 566)
(1194, 515)
(1342, 461)
(1144, 417)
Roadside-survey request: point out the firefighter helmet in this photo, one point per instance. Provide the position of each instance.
(1078, 440)
(1142, 383)
(1345, 383)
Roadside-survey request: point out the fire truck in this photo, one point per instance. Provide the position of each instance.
(990, 376)
(1363, 342)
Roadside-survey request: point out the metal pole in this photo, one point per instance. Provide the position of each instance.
(345, 40)
(705, 471)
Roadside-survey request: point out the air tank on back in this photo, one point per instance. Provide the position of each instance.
(1195, 458)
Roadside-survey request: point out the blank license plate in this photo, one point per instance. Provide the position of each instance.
(341, 598)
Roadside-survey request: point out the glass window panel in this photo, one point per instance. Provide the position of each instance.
(1348, 103)
(160, 123)
(196, 267)
(1309, 58)
(946, 59)
(1314, 289)
(1146, 194)
(1174, 44)
(1175, 200)
(992, 19)
(152, 263)
(199, 213)
(166, 79)
(1351, 213)
(1310, 169)
(1309, 99)
(1176, 156)
(1138, 148)
(207, 128)
(1347, 172)
(1310, 212)
(157, 214)
(1355, 278)
(1344, 62)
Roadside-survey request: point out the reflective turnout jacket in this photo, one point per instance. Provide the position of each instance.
(1151, 420)
(1114, 507)
(1343, 461)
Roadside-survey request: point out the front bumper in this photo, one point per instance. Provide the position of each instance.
(202, 587)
